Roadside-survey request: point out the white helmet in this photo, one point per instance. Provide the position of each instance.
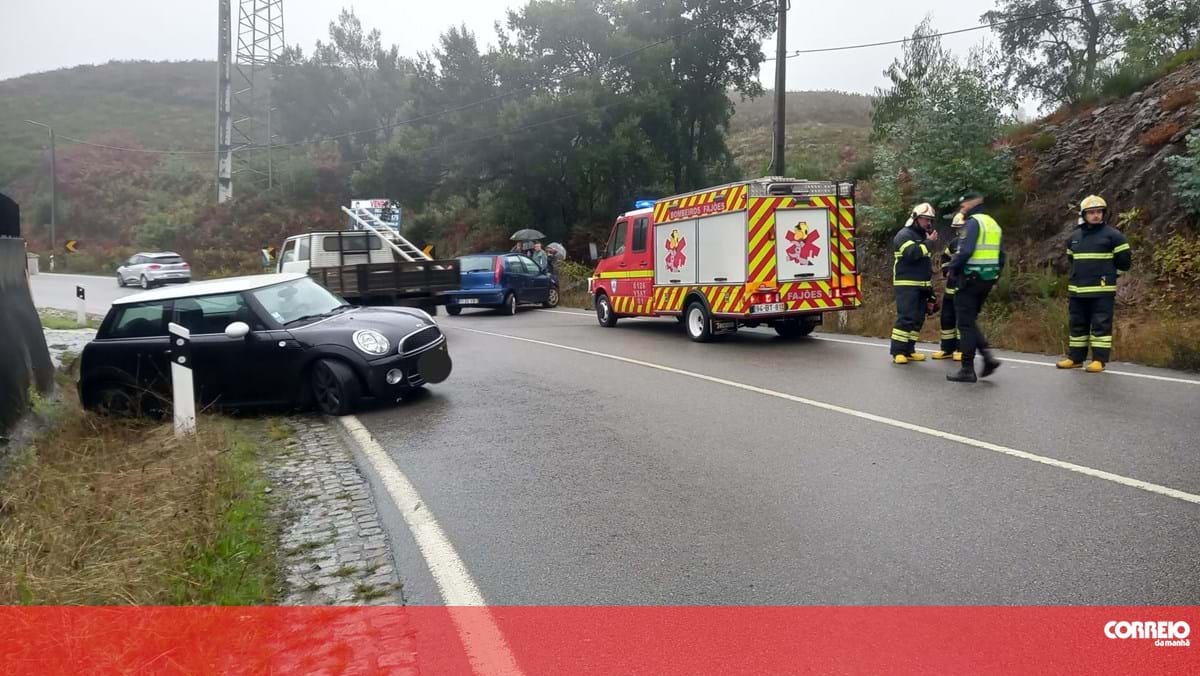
(922, 209)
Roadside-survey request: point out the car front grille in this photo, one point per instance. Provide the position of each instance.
(420, 340)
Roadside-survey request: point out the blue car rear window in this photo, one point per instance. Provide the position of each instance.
(476, 263)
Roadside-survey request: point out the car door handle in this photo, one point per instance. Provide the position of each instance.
(643, 264)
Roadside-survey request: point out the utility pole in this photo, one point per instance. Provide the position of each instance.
(778, 167)
(53, 181)
(224, 103)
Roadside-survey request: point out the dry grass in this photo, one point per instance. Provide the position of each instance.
(1179, 98)
(1039, 325)
(109, 511)
(1160, 134)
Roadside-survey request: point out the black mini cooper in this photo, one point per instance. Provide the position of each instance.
(263, 340)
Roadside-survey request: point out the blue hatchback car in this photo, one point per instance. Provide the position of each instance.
(504, 281)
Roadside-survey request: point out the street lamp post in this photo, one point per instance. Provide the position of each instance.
(53, 183)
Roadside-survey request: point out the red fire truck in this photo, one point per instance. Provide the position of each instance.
(769, 251)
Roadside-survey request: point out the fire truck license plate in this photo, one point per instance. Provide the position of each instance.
(766, 308)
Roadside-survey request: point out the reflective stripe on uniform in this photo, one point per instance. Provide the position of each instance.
(947, 334)
(899, 335)
(1093, 256)
(1078, 341)
(951, 291)
(907, 282)
(914, 336)
(1101, 341)
(1106, 288)
(1121, 247)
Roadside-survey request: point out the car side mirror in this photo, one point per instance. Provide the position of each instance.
(237, 330)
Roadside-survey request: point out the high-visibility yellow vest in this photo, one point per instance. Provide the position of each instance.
(985, 260)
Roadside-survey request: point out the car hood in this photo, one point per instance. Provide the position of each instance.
(393, 322)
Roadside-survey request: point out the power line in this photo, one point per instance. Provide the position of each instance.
(580, 72)
(475, 104)
(573, 74)
(919, 38)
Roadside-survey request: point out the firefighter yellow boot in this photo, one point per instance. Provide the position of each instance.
(1069, 364)
(957, 355)
(899, 359)
(940, 355)
(1095, 367)
(916, 356)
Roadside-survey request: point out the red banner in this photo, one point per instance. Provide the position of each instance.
(577, 640)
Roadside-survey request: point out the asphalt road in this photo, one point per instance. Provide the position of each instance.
(752, 471)
(58, 291)
(571, 464)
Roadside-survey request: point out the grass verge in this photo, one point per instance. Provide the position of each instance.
(59, 320)
(103, 511)
(1036, 321)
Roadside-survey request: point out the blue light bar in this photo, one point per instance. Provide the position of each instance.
(643, 204)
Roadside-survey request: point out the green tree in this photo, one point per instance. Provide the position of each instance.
(1185, 175)
(1155, 30)
(1058, 56)
(922, 65)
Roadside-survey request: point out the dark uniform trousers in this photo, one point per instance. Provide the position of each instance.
(968, 302)
(1091, 317)
(949, 322)
(910, 316)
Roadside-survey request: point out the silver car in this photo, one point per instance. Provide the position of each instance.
(151, 269)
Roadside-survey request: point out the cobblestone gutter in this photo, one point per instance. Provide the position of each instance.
(332, 546)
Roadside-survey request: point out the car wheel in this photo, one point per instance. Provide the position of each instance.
(145, 282)
(453, 310)
(335, 388)
(510, 304)
(115, 400)
(604, 311)
(699, 325)
(551, 298)
(120, 280)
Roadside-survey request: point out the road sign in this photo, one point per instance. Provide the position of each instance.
(428, 250)
(71, 245)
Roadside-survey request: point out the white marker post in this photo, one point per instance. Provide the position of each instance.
(80, 307)
(183, 393)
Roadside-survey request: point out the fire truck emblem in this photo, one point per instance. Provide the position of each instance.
(675, 256)
(804, 244)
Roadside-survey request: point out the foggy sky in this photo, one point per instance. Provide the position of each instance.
(50, 34)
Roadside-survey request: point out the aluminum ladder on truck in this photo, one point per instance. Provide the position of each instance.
(372, 223)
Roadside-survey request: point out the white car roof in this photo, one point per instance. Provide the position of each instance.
(211, 287)
(160, 254)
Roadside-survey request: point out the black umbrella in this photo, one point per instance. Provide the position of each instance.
(527, 234)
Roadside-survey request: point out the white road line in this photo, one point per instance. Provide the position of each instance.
(482, 639)
(1015, 360)
(1031, 362)
(891, 422)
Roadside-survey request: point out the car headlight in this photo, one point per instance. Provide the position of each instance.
(371, 341)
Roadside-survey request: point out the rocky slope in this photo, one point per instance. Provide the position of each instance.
(1117, 150)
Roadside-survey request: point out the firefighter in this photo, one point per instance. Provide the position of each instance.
(949, 325)
(912, 276)
(1098, 254)
(974, 271)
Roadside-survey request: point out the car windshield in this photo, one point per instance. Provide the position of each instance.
(301, 299)
(476, 264)
(165, 260)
